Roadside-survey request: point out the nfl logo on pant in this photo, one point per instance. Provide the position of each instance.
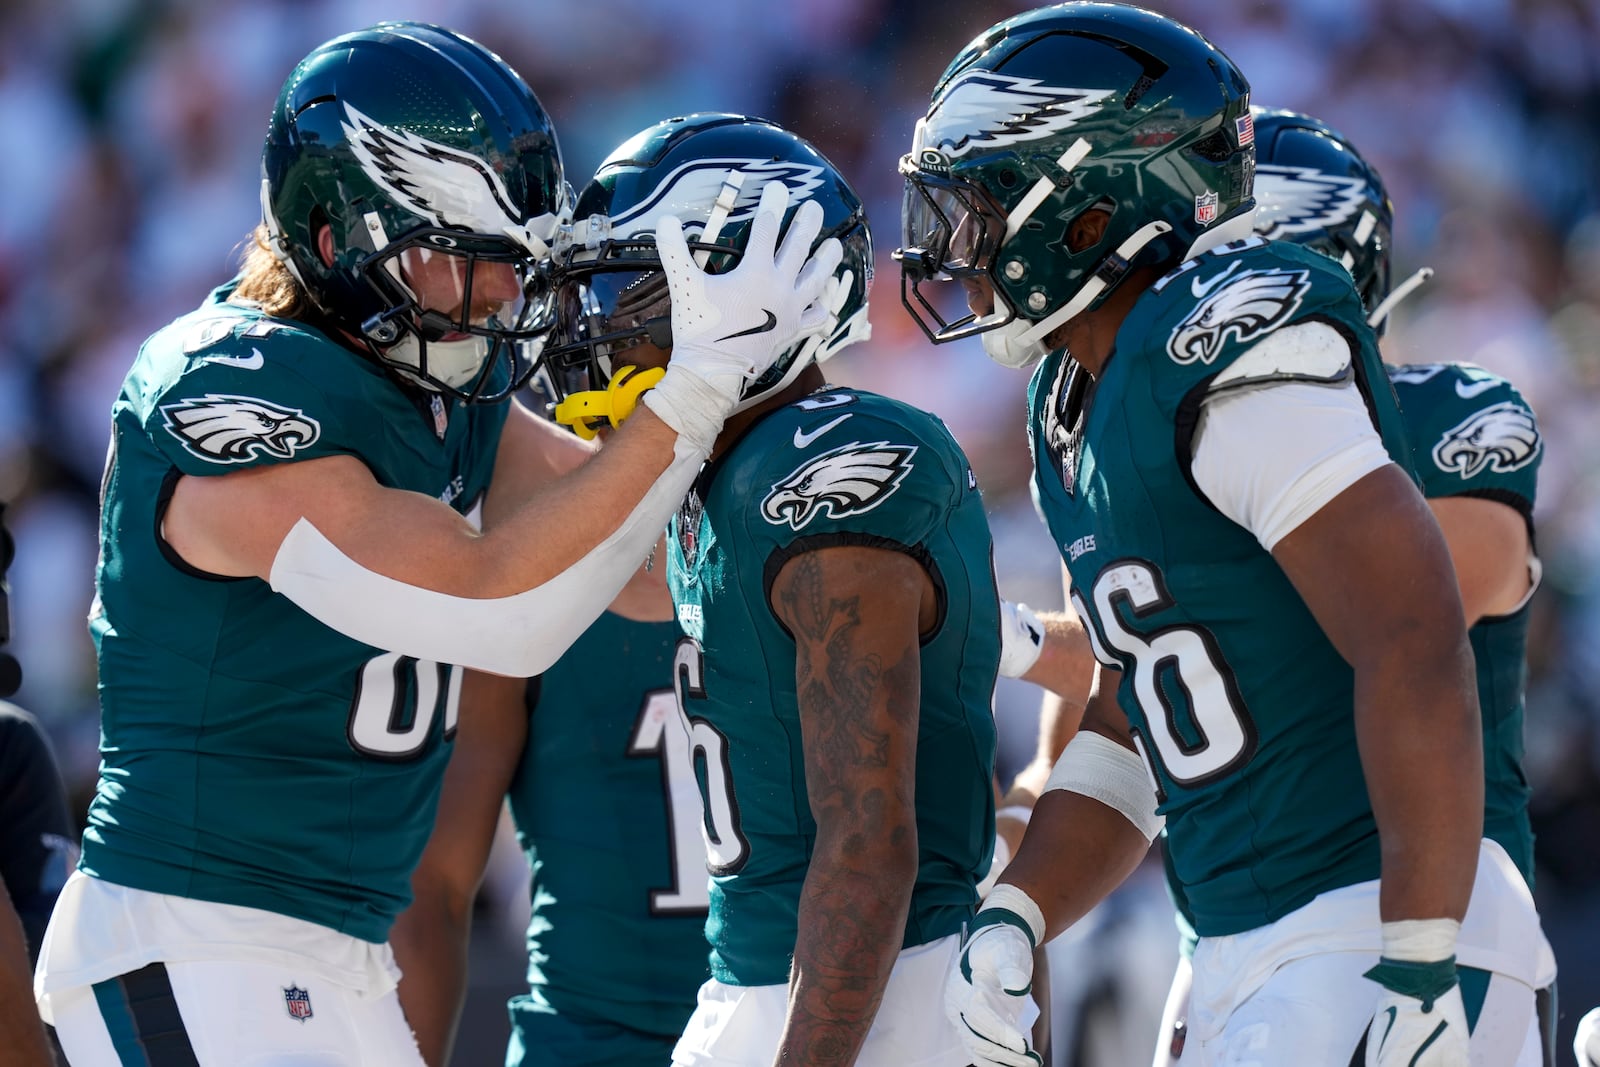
(298, 1001)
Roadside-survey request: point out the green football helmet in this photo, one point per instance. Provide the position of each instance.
(707, 169)
(1047, 116)
(438, 176)
(1315, 189)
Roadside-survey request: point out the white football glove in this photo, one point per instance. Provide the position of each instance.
(986, 995)
(728, 328)
(1420, 1021)
(1586, 1040)
(1021, 639)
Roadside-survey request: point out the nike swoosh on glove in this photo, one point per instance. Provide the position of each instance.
(1420, 1021)
(986, 994)
(727, 329)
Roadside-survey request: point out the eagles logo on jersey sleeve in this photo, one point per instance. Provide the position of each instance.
(1198, 321)
(1242, 304)
(227, 388)
(849, 466)
(844, 481)
(237, 429)
(1471, 431)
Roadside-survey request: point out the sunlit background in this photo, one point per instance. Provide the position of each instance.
(129, 176)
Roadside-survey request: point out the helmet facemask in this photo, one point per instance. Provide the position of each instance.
(465, 313)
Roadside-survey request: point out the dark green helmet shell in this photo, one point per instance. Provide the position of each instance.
(1315, 189)
(1061, 110)
(395, 133)
(681, 167)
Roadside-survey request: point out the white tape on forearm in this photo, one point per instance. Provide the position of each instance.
(1100, 768)
(1420, 940)
(1015, 899)
(693, 407)
(519, 635)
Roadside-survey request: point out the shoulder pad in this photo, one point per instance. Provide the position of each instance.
(1213, 308)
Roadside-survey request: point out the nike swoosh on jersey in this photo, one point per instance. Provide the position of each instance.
(253, 361)
(802, 438)
(770, 324)
(1467, 391)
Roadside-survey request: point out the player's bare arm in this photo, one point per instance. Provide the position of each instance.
(234, 524)
(430, 937)
(535, 452)
(1491, 551)
(856, 615)
(1386, 597)
(1066, 671)
(20, 1030)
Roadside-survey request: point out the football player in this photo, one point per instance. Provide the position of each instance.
(595, 762)
(291, 577)
(831, 570)
(1476, 447)
(1219, 458)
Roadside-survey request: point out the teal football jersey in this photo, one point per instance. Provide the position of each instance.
(841, 467)
(249, 754)
(1472, 434)
(1237, 700)
(607, 807)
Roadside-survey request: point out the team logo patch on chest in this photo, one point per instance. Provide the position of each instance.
(237, 429)
(844, 481)
(1248, 304)
(1501, 438)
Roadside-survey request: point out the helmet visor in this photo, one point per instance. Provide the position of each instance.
(601, 313)
(457, 292)
(950, 233)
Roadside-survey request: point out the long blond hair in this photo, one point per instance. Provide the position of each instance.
(265, 280)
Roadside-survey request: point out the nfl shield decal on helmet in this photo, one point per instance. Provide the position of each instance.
(844, 481)
(298, 1001)
(1205, 207)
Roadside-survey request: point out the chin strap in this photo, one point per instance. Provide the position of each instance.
(590, 411)
(1397, 294)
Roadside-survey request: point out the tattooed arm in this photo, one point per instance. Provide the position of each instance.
(856, 614)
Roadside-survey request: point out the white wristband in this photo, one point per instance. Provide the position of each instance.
(1420, 940)
(1014, 899)
(1098, 767)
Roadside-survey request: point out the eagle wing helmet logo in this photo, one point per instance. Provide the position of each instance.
(1500, 438)
(237, 429)
(450, 188)
(984, 110)
(843, 481)
(690, 190)
(1296, 200)
(1248, 304)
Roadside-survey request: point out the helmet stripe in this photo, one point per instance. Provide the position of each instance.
(1044, 187)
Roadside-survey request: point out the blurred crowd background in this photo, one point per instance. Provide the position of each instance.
(129, 177)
